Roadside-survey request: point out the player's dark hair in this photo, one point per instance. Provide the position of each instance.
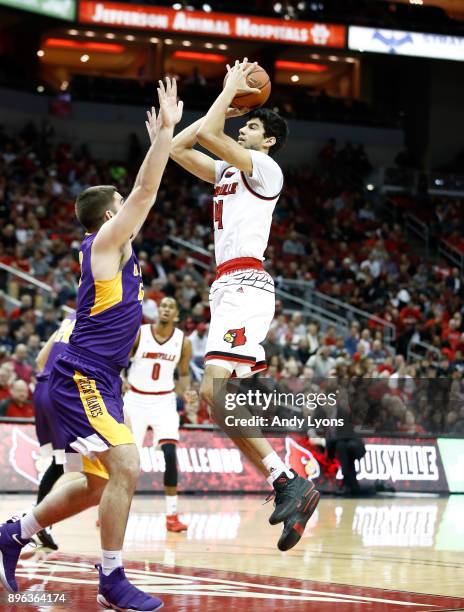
(91, 205)
(274, 125)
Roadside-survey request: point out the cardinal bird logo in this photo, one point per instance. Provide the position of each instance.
(301, 460)
(24, 455)
(235, 337)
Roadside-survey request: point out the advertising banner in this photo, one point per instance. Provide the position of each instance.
(210, 462)
(452, 455)
(249, 27)
(397, 42)
(63, 9)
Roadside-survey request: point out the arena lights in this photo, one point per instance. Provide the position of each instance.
(110, 35)
(177, 6)
(208, 45)
(207, 8)
(300, 66)
(130, 37)
(333, 58)
(212, 58)
(85, 58)
(154, 40)
(40, 53)
(186, 43)
(40, 89)
(90, 34)
(223, 47)
(73, 32)
(168, 41)
(64, 43)
(294, 78)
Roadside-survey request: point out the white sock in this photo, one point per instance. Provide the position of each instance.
(111, 559)
(29, 525)
(171, 504)
(275, 466)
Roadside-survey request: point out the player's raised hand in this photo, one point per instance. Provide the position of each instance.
(236, 112)
(237, 77)
(153, 124)
(170, 108)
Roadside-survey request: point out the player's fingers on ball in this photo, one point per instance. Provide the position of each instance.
(250, 68)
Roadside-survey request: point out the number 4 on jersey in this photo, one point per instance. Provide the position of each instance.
(218, 213)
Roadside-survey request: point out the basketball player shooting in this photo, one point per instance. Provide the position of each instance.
(150, 401)
(85, 383)
(247, 184)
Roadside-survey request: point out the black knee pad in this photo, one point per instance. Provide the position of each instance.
(170, 458)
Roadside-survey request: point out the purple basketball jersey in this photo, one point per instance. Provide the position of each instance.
(109, 312)
(60, 342)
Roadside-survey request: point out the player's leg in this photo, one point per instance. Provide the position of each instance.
(164, 420)
(248, 439)
(173, 523)
(136, 416)
(239, 323)
(115, 591)
(70, 499)
(47, 441)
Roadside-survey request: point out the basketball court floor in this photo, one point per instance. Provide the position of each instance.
(385, 554)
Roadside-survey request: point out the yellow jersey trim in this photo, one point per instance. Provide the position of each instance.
(95, 467)
(108, 293)
(97, 413)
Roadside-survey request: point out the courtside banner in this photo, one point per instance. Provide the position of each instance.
(211, 462)
(398, 42)
(224, 25)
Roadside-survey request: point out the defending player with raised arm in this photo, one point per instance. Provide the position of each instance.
(85, 383)
(247, 183)
(150, 401)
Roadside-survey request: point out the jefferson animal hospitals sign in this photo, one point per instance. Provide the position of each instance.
(211, 24)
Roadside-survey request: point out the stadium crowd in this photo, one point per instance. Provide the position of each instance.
(325, 233)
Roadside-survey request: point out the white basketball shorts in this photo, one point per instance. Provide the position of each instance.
(242, 307)
(156, 411)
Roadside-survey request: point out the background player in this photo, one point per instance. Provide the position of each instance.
(248, 183)
(159, 350)
(50, 446)
(85, 382)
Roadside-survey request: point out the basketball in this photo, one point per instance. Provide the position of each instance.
(259, 78)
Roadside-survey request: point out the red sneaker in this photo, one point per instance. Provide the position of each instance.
(174, 524)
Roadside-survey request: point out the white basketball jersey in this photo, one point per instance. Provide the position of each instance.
(243, 207)
(154, 363)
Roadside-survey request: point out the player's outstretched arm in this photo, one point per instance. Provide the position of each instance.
(211, 132)
(118, 230)
(197, 163)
